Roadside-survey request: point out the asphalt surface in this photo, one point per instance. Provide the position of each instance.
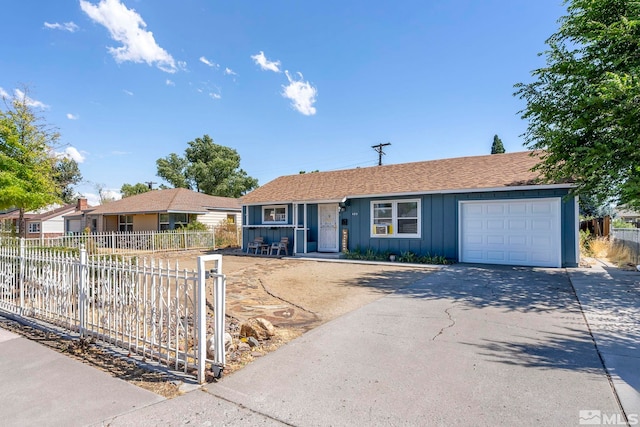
(468, 345)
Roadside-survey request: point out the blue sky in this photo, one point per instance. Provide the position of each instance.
(291, 85)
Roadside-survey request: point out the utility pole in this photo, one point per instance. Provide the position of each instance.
(378, 148)
(150, 184)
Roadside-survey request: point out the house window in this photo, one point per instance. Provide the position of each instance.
(125, 222)
(164, 222)
(178, 220)
(395, 218)
(274, 214)
(34, 227)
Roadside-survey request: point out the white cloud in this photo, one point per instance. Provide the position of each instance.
(29, 101)
(127, 27)
(215, 95)
(170, 82)
(4, 94)
(207, 62)
(67, 26)
(301, 94)
(72, 116)
(128, 92)
(229, 72)
(72, 153)
(265, 64)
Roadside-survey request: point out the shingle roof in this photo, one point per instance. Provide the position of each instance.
(42, 216)
(171, 200)
(463, 173)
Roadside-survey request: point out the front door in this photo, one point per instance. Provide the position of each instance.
(328, 234)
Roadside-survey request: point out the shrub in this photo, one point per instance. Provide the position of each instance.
(405, 257)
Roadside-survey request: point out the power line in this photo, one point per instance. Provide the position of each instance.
(378, 148)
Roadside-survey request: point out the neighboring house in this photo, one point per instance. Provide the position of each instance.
(627, 215)
(45, 222)
(485, 209)
(160, 210)
(76, 221)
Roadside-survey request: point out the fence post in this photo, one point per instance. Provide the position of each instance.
(113, 243)
(21, 273)
(202, 319)
(82, 285)
(218, 307)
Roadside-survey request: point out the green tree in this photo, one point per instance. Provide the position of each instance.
(207, 168)
(128, 190)
(67, 174)
(583, 106)
(497, 147)
(27, 167)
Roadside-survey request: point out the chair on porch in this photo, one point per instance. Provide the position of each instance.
(256, 245)
(283, 244)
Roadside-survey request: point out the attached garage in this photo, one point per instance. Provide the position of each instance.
(513, 232)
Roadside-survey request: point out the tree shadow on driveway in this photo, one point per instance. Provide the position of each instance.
(563, 340)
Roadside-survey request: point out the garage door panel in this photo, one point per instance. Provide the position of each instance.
(517, 209)
(516, 232)
(495, 224)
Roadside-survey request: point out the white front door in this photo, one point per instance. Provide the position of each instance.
(328, 228)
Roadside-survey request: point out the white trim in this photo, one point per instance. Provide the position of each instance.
(419, 193)
(557, 216)
(275, 207)
(394, 219)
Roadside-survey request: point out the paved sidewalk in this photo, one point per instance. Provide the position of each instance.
(41, 387)
(468, 345)
(610, 299)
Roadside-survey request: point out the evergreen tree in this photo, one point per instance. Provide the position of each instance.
(497, 147)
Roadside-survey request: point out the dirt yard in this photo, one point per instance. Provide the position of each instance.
(294, 295)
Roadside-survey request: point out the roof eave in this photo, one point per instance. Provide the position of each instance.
(417, 193)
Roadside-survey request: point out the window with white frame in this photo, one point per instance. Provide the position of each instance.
(395, 218)
(274, 214)
(34, 227)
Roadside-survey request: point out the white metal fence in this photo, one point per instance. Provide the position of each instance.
(628, 238)
(129, 241)
(155, 310)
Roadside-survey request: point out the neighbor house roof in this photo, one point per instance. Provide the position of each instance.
(496, 171)
(171, 200)
(40, 215)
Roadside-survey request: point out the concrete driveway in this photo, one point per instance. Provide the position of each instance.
(468, 345)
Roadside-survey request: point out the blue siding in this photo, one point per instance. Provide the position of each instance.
(439, 222)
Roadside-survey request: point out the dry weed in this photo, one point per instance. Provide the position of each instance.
(620, 255)
(600, 247)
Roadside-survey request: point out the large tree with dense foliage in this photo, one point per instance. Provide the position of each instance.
(583, 107)
(27, 165)
(67, 174)
(128, 190)
(207, 168)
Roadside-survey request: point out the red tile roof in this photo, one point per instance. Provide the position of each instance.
(171, 200)
(448, 175)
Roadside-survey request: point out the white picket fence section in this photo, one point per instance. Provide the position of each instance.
(130, 241)
(148, 308)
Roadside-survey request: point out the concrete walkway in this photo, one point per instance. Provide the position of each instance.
(468, 345)
(610, 299)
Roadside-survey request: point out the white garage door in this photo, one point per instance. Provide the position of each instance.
(513, 232)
